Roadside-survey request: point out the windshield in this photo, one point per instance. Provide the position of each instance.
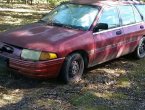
(72, 16)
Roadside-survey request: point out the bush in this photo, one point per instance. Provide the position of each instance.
(54, 3)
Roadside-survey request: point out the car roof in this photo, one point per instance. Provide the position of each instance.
(106, 2)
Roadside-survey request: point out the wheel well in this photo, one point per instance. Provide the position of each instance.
(84, 55)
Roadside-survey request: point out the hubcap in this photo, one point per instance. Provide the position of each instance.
(142, 48)
(74, 69)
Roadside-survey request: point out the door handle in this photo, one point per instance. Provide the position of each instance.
(119, 32)
(141, 27)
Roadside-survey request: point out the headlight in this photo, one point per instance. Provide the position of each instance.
(37, 55)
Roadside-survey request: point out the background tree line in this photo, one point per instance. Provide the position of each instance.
(31, 2)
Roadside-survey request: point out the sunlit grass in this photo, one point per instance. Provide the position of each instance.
(10, 20)
(124, 82)
(24, 6)
(10, 97)
(96, 101)
(50, 103)
(115, 72)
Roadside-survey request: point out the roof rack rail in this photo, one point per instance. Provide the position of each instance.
(130, 0)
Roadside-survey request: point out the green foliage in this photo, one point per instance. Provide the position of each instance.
(87, 100)
(51, 3)
(55, 2)
(84, 99)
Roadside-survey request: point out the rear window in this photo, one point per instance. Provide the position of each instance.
(141, 9)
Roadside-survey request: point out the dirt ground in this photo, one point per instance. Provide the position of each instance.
(115, 85)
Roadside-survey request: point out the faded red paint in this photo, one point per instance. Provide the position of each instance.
(37, 69)
(100, 47)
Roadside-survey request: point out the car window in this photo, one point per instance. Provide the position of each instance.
(126, 14)
(141, 9)
(110, 16)
(137, 15)
(73, 16)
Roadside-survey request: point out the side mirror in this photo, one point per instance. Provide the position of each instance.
(100, 26)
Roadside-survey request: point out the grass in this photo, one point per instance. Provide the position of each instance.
(9, 20)
(115, 85)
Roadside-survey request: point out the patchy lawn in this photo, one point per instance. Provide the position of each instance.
(115, 85)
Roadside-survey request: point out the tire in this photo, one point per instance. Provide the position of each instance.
(72, 69)
(140, 50)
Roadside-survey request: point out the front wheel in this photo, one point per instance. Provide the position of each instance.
(140, 50)
(72, 69)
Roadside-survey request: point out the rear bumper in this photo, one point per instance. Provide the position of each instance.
(41, 69)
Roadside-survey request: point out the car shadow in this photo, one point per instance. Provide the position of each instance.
(12, 80)
(36, 93)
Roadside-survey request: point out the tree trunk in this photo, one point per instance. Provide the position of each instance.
(30, 2)
(9, 1)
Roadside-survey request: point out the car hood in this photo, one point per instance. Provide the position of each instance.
(38, 36)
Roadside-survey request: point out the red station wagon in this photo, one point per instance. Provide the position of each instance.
(74, 36)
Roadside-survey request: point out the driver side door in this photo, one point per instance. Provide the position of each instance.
(107, 42)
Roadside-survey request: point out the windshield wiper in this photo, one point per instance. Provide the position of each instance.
(58, 24)
(63, 25)
(66, 26)
(41, 21)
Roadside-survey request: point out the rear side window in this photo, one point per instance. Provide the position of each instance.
(141, 9)
(137, 15)
(110, 16)
(126, 14)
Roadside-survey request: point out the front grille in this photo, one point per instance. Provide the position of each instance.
(9, 49)
(6, 48)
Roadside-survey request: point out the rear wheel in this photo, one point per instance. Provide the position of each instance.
(72, 69)
(140, 50)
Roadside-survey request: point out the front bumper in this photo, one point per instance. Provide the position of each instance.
(40, 69)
